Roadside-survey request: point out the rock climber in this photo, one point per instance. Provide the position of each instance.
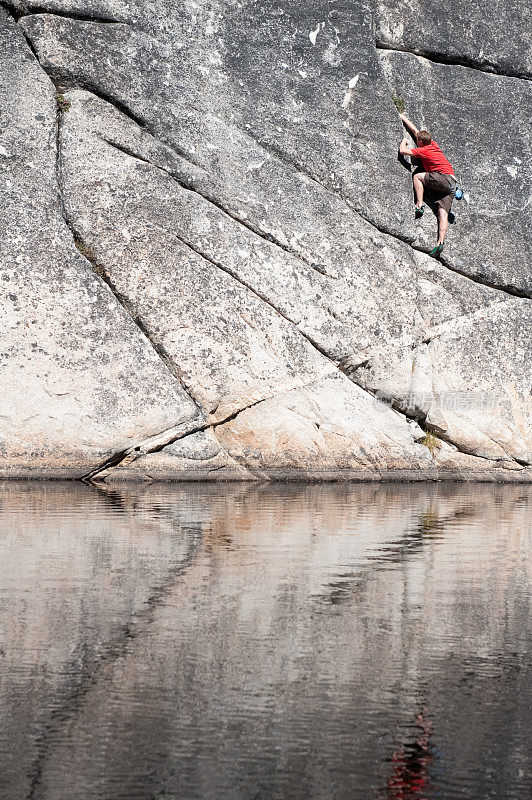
(438, 177)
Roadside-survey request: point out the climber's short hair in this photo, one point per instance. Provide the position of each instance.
(424, 137)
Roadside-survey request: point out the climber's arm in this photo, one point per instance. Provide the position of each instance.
(404, 148)
(410, 125)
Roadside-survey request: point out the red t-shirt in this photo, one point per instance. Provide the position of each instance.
(433, 159)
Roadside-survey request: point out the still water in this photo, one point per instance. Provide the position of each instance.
(357, 641)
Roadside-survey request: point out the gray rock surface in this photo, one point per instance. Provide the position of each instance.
(230, 180)
(78, 378)
(457, 381)
(494, 38)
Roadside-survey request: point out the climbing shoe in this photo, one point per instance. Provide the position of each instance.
(419, 211)
(436, 250)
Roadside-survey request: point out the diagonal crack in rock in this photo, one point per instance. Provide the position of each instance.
(487, 67)
(508, 289)
(188, 183)
(158, 441)
(27, 8)
(104, 276)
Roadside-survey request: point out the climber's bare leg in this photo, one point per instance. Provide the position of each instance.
(419, 180)
(443, 224)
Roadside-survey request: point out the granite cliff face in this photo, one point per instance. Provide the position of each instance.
(210, 266)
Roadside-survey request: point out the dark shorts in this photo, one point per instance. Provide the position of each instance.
(442, 185)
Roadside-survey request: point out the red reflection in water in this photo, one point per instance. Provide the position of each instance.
(410, 778)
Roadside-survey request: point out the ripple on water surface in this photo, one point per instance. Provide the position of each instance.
(290, 641)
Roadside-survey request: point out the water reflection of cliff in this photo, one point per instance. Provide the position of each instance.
(272, 640)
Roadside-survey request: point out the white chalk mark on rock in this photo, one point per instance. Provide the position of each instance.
(313, 34)
(349, 95)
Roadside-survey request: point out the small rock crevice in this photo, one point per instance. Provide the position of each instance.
(485, 66)
(482, 280)
(141, 122)
(126, 305)
(24, 9)
(151, 444)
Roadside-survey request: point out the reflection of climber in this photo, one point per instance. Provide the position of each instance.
(438, 177)
(410, 779)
